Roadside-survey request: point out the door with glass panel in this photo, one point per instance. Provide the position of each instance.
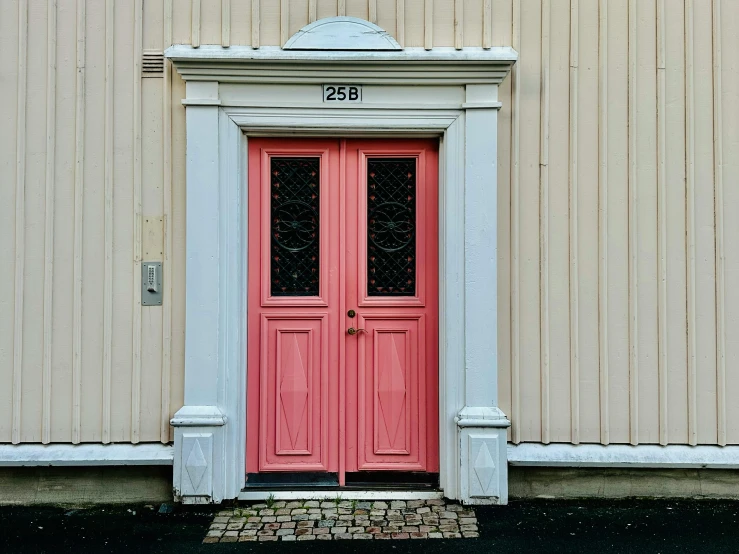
(342, 309)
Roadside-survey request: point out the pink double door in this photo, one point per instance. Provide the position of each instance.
(343, 306)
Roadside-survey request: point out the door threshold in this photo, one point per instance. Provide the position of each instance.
(313, 494)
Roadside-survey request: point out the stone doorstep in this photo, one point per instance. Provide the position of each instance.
(344, 520)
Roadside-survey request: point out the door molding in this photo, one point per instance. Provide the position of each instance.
(234, 93)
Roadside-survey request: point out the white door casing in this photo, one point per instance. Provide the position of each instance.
(233, 93)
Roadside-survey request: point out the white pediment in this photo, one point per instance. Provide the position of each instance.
(342, 33)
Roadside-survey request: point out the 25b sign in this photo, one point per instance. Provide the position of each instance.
(342, 93)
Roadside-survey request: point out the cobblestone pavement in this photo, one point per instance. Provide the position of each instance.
(309, 520)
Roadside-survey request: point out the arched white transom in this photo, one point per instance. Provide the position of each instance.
(342, 33)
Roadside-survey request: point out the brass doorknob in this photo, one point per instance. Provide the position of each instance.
(353, 331)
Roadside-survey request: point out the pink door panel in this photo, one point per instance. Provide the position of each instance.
(391, 391)
(294, 401)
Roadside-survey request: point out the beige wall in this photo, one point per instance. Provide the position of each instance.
(619, 153)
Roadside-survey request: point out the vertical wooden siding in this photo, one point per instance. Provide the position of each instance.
(617, 178)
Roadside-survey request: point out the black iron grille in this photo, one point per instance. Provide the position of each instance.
(295, 226)
(391, 227)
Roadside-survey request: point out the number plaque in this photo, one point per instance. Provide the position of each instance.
(342, 93)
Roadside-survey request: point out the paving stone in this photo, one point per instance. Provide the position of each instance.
(214, 534)
(314, 511)
(216, 526)
(254, 519)
(289, 538)
(346, 518)
(294, 504)
(466, 513)
(397, 504)
(283, 532)
(447, 515)
(393, 512)
(248, 538)
(364, 505)
(424, 510)
(248, 533)
(415, 503)
(379, 522)
(427, 528)
(391, 529)
(379, 505)
(252, 526)
(436, 535)
(315, 517)
(452, 536)
(468, 528)
(283, 512)
(448, 522)
(304, 524)
(266, 512)
(401, 536)
(299, 511)
(227, 513)
(373, 530)
(327, 523)
(361, 512)
(377, 513)
(303, 532)
(324, 537)
(328, 504)
(265, 538)
(342, 536)
(220, 519)
(230, 539)
(281, 519)
(449, 528)
(362, 536)
(321, 531)
(435, 502)
(419, 535)
(329, 511)
(331, 516)
(353, 530)
(259, 506)
(288, 525)
(467, 520)
(312, 504)
(265, 533)
(410, 529)
(383, 536)
(455, 508)
(235, 526)
(272, 526)
(299, 517)
(336, 530)
(345, 504)
(279, 504)
(307, 538)
(269, 519)
(208, 540)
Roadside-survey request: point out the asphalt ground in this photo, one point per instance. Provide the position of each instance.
(651, 526)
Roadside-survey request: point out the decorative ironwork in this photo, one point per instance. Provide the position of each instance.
(294, 227)
(391, 226)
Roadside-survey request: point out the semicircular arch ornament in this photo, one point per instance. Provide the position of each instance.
(342, 33)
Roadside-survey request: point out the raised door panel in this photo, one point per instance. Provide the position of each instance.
(392, 393)
(294, 399)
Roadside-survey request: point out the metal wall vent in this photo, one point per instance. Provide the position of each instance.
(153, 63)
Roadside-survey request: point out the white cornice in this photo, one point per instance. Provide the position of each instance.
(439, 66)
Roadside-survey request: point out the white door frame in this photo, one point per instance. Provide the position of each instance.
(237, 92)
